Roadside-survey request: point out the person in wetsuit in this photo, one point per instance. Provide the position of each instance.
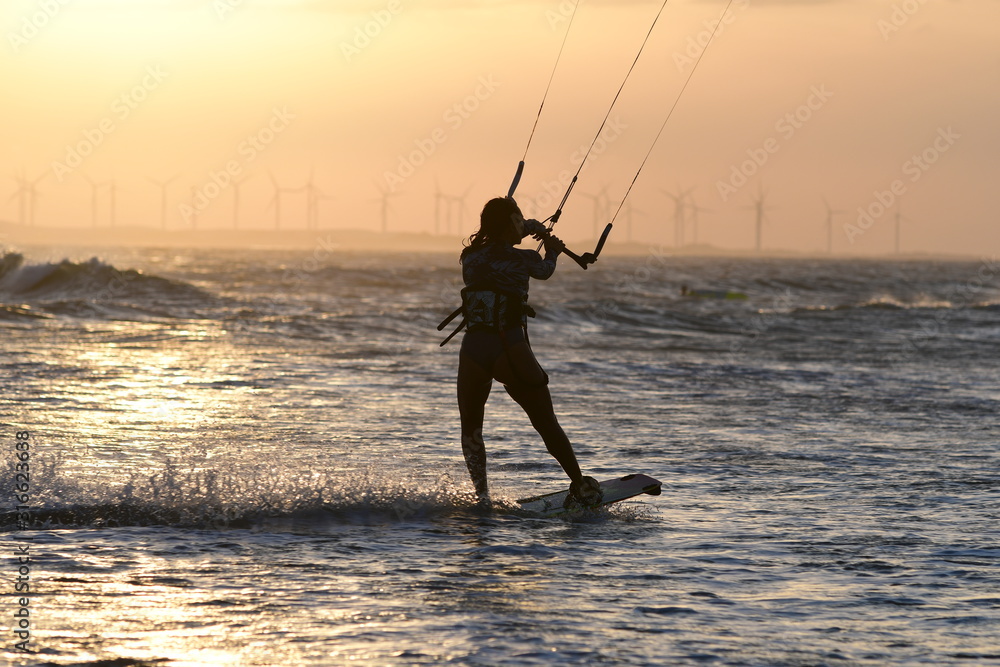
(495, 345)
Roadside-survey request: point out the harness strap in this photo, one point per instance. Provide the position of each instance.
(453, 333)
(446, 321)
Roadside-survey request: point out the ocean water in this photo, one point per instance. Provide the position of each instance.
(252, 458)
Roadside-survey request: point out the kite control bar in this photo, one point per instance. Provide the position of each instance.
(541, 233)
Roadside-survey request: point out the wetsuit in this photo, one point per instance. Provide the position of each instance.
(495, 347)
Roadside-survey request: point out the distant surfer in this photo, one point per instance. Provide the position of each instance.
(496, 347)
(712, 294)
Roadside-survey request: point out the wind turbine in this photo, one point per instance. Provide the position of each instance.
(114, 201)
(320, 196)
(629, 210)
(94, 191)
(438, 198)
(450, 201)
(277, 200)
(829, 225)
(695, 210)
(679, 213)
(459, 204)
(27, 197)
(163, 197)
(759, 207)
(602, 206)
(384, 199)
(313, 196)
(33, 198)
(237, 182)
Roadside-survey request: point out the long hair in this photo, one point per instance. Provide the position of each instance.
(496, 216)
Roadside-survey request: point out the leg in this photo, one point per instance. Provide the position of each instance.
(527, 384)
(474, 385)
(537, 403)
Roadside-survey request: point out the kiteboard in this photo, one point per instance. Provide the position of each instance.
(613, 491)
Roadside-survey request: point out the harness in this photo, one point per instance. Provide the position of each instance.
(485, 307)
(490, 309)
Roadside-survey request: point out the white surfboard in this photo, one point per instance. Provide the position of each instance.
(613, 490)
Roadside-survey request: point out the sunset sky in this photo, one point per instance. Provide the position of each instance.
(833, 99)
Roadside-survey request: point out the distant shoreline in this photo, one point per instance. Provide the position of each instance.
(12, 234)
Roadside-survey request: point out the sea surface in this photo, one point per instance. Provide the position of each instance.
(252, 458)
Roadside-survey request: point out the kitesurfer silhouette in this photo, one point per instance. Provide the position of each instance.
(496, 347)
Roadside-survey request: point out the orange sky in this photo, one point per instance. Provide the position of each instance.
(203, 89)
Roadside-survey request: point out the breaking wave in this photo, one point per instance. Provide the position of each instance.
(91, 287)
